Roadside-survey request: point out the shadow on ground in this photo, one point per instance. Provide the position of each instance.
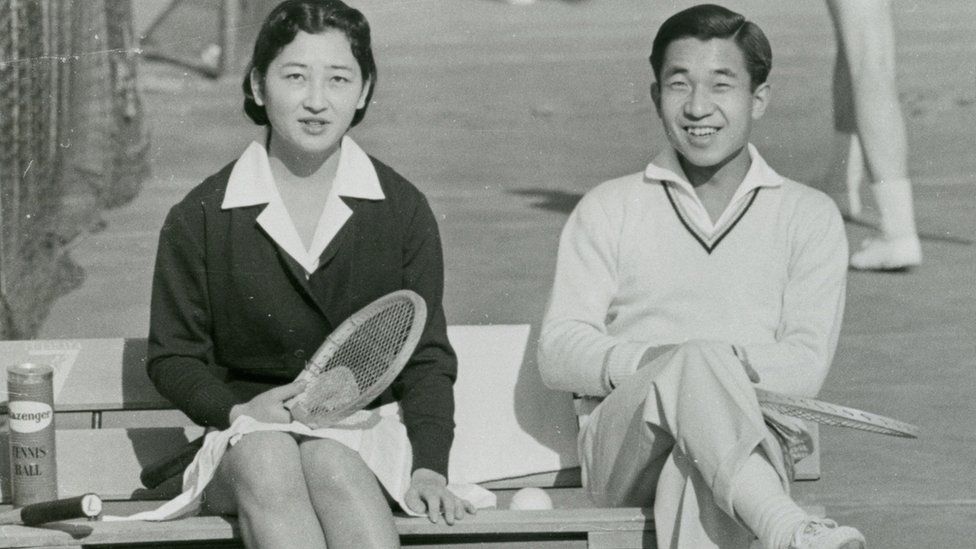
(550, 199)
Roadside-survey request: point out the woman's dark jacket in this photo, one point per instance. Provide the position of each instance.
(233, 315)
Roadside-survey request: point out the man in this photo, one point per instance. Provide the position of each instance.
(679, 289)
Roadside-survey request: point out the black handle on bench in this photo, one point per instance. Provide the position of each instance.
(88, 505)
(160, 471)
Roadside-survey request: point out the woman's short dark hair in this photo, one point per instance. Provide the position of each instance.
(314, 17)
(707, 21)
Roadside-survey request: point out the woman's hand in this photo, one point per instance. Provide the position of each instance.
(428, 493)
(269, 406)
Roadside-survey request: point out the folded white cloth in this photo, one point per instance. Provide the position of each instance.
(378, 435)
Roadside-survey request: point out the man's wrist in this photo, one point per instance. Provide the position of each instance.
(620, 362)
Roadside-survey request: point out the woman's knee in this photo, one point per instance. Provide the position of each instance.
(265, 465)
(333, 468)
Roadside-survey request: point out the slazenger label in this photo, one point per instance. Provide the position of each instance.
(29, 417)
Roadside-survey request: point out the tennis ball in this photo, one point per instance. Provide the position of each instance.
(530, 499)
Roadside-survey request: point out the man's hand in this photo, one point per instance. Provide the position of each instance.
(428, 493)
(269, 406)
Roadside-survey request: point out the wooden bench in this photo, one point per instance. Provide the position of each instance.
(112, 423)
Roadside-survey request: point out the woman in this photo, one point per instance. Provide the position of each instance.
(267, 256)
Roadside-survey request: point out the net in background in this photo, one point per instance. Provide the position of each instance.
(214, 38)
(72, 142)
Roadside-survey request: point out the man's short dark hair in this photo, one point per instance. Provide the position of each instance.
(707, 21)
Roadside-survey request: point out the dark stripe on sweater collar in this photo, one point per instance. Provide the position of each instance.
(709, 244)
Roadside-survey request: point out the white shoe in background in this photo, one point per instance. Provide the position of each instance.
(888, 255)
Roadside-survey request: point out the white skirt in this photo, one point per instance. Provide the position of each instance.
(378, 435)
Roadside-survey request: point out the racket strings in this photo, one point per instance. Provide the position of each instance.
(362, 360)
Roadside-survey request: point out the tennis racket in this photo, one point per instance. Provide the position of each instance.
(85, 506)
(833, 414)
(160, 471)
(353, 366)
(359, 359)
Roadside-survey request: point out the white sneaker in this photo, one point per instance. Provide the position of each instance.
(825, 534)
(888, 255)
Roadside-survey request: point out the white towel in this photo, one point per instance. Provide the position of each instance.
(378, 435)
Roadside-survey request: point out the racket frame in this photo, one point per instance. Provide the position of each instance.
(834, 414)
(344, 332)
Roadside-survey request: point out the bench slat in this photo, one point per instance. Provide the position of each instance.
(486, 523)
(566, 478)
(621, 540)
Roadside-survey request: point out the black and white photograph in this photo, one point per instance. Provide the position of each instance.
(604, 274)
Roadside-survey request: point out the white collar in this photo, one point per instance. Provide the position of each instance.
(666, 167)
(251, 183)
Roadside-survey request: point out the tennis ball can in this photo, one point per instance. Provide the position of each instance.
(33, 468)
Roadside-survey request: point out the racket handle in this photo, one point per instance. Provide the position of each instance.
(160, 471)
(88, 505)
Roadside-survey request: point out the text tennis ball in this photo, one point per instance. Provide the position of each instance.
(530, 499)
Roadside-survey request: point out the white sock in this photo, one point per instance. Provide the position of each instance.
(759, 499)
(894, 200)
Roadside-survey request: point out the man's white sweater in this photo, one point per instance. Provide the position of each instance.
(641, 264)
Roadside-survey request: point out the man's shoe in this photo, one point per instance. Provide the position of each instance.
(825, 534)
(888, 254)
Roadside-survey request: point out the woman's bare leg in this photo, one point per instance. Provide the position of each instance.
(347, 497)
(261, 481)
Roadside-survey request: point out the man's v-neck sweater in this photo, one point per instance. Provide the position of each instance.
(637, 268)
